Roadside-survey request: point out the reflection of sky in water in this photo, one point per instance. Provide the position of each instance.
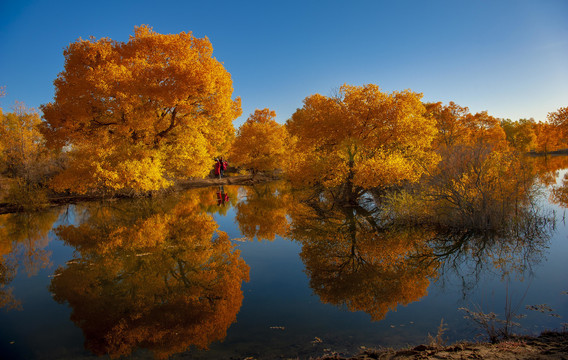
(278, 295)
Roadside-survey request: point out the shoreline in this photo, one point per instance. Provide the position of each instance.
(548, 345)
(58, 200)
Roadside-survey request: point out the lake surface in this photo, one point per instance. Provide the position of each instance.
(250, 272)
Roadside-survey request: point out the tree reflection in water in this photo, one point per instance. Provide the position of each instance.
(23, 239)
(161, 278)
(353, 262)
(263, 214)
(361, 258)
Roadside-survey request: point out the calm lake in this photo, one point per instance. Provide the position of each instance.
(252, 272)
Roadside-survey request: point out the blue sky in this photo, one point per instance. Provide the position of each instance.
(509, 57)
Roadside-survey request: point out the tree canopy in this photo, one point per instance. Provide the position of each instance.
(261, 143)
(136, 114)
(362, 135)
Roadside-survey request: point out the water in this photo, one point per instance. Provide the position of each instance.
(142, 278)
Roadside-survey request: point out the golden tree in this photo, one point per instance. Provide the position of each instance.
(520, 134)
(261, 143)
(136, 114)
(363, 138)
(559, 119)
(165, 278)
(457, 126)
(449, 123)
(548, 137)
(24, 158)
(473, 188)
(23, 152)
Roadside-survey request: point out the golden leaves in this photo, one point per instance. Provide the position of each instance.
(261, 143)
(358, 130)
(153, 98)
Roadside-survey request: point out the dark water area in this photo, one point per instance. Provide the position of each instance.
(257, 273)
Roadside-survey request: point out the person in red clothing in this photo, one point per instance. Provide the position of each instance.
(222, 167)
(218, 166)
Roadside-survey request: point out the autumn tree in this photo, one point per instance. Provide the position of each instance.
(449, 119)
(164, 276)
(261, 143)
(457, 126)
(472, 189)
(134, 115)
(21, 141)
(360, 139)
(24, 158)
(559, 119)
(520, 134)
(548, 137)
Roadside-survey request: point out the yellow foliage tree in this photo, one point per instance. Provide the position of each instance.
(261, 143)
(473, 188)
(520, 134)
(136, 114)
(362, 137)
(559, 119)
(548, 137)
(22, 144)
(457, 126)
(449, 123)
(24, 158)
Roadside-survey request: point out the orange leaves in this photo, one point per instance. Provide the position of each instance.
(152, 98)
(559, 117)
(456, 126)
(337, 137)
(21, 143)
(261, 143)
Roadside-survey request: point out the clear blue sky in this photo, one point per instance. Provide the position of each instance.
(509, 57)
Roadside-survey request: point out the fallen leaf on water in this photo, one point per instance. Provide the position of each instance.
(317, 340)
